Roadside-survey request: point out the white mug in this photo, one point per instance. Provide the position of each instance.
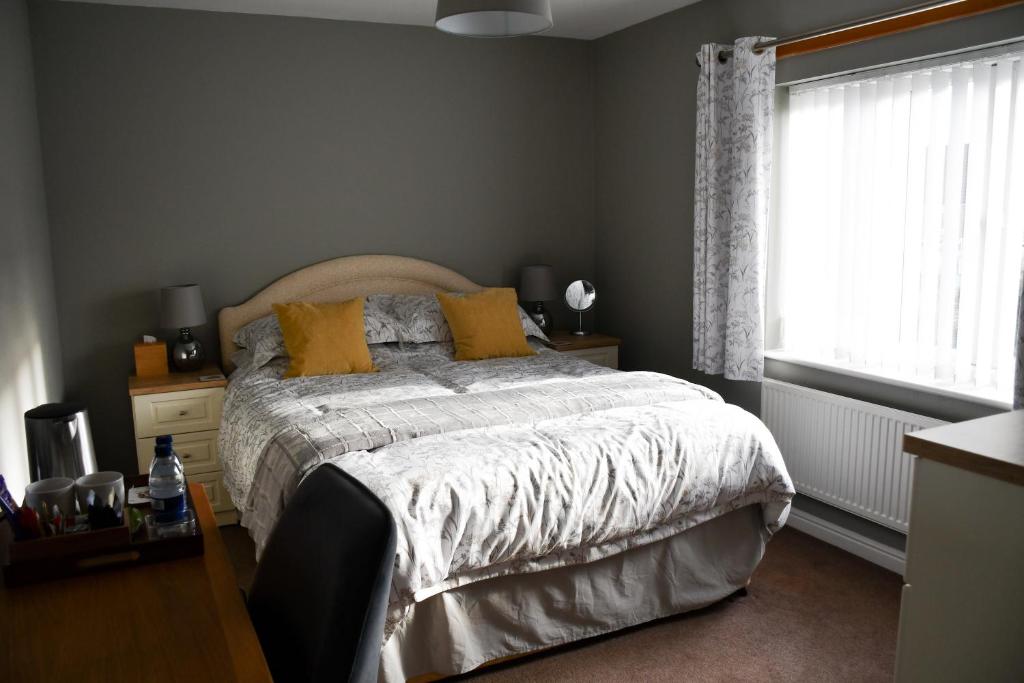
(58, 491)
(103, 483)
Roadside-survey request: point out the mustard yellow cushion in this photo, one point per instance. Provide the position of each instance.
(485, 324)
(324, 339)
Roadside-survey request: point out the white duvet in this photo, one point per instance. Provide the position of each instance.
(500, 467)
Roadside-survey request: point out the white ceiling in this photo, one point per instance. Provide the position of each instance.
(585, 19)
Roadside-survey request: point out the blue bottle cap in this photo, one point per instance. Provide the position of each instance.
(164, 439)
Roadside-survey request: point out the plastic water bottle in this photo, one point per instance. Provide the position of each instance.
(167, 484)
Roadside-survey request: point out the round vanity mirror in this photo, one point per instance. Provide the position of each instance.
(580, 297)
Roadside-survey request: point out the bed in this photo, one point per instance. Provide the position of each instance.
(538, 500)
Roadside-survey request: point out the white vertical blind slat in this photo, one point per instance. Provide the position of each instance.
(900, 229)
(1013, 266)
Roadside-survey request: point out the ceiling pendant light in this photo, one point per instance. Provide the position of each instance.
(493, 18)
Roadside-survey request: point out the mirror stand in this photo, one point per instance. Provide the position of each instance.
(581, 332)
(580, 296)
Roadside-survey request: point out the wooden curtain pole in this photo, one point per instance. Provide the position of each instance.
(896, 21)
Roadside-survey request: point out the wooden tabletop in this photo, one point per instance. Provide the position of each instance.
(175, 620)
(175, 381)
(992, 446)
(567, 341)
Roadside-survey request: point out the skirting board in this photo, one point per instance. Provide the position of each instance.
(861, 546)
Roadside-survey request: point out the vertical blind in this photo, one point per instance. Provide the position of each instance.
(900, 224)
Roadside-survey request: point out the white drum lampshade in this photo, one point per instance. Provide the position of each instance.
(493, 18)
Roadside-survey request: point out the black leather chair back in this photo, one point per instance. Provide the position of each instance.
(320, 593)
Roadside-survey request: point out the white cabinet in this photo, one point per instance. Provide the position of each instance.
(600, 349)
(190, 411)
(607, 356)
(962, 610)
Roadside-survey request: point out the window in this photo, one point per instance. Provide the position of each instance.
(897, 244)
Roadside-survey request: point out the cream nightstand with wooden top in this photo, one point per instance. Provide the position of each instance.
(599, 349)
(189, 409)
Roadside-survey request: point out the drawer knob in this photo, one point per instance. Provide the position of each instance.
(182, 413)
(186, 456)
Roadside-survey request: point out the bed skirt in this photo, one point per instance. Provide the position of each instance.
(467, 627)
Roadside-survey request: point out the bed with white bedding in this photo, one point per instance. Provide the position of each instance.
(518, 487)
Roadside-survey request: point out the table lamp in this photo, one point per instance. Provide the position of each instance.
(181, 306)
(537, 285)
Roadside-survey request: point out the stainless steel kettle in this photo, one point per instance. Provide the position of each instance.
(59, 442)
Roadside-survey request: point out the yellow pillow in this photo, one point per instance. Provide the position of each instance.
(485, 324)
(324, 339)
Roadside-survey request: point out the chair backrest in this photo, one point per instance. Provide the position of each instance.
(320, 593)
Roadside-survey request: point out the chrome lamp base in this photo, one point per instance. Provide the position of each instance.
(188, 354)
(540, 316)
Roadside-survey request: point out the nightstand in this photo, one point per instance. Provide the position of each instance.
(189, 410)
(599, 349)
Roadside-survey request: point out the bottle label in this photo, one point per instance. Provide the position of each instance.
(169, 510)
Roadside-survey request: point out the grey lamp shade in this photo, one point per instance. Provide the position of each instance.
(537, 283)
(493, 18)
(182, 306)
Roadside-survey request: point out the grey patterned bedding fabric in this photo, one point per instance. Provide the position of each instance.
(388, 318)
(502, 466)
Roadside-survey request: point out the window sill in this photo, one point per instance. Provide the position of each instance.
(980, 397)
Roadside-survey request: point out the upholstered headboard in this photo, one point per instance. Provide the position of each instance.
(337, 280)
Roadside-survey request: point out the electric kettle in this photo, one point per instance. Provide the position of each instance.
(59, 442)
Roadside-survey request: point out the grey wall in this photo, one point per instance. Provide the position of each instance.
(30, 369)
(645, 94)
(230, 149)
(645, 109)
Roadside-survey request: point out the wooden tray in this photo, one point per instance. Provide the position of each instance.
(57, 557)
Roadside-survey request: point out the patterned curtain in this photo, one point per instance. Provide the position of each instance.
(735, 104)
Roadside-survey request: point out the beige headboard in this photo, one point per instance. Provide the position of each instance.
(337, 280)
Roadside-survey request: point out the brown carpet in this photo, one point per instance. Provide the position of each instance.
(812, 613)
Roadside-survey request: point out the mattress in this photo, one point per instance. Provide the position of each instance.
(500, 468)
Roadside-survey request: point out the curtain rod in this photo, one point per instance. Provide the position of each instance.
(974, 7)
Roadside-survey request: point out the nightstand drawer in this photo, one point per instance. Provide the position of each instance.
(198, 451)
(606, 356)
(177, 412)
(220, 501)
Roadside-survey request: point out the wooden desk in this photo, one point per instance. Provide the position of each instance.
(177, 620)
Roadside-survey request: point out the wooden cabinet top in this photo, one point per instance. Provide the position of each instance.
(567, 341)
(175, 381)
(992, 446)
(175, 620)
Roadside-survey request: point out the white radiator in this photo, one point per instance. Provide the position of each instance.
(844, 452)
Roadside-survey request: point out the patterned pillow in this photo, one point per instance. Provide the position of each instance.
(263, 339)
(387, 318)
(530, 328)
(418, 319)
